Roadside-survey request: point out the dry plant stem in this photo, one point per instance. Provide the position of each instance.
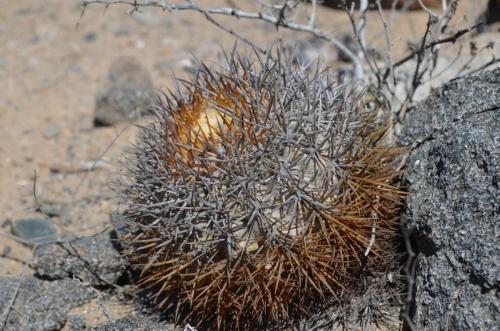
(427, 10)
(426, 46)
(92, 167)
(38, 207)
(234, 33)
(444, 5)
(39, 242)
(417, 76)
(313, 14)
(493, 61)
(363, 9)
(410, 272)
(359, 33)
(69, 238)
(235, 12)
(389, 62)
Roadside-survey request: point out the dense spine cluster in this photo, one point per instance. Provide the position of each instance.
(258, 190)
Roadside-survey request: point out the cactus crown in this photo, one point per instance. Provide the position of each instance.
(256, 191)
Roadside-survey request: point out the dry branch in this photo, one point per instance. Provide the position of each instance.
(279, 21)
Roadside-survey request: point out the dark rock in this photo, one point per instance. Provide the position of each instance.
(453, 207)
(34, 230)
(41, 305)
(492, 14)
(91, 259)
(136, 323)
(126, 94)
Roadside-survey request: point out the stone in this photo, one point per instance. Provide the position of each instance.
(126, 95)
(136, 323)
(40, 305)
(492, 14)
(148, 18)
(51, 132)
(453, 207)
(34, 230)
(76, 323)
(164, 67)
(54, 208)
(90, 36)
(93, 260)
(33, 40)
(119, 225)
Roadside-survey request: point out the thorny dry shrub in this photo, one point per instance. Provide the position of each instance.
(258, 191)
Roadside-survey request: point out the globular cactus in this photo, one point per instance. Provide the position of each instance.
(257, 191)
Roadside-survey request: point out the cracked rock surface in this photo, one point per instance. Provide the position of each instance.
(453, 208)
(40, 305)
(91, 259)
(134, 323)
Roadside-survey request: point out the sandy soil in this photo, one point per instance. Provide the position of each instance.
(50, 71)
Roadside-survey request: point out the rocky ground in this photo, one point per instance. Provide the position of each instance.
(55, 67)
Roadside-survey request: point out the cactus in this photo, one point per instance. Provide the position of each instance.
(257, 191)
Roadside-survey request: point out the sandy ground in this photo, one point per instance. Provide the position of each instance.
(50, 71)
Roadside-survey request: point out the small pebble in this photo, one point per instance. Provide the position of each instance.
(51, 132)
(76, 323)
(147, 19)
(163, 66)
(25, 11)
(34, 61)
(6, 250)
(90, 36)
(122, 32)
(187, 65)
(140, 44)
(33, 40)
(35, 230)
(54, 208)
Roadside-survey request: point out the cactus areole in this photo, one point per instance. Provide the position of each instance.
(257, 190)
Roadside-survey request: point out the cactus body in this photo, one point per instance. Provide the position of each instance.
(258, 191)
